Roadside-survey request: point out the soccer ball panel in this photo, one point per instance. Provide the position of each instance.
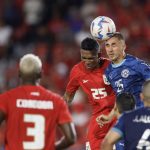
(102, 27)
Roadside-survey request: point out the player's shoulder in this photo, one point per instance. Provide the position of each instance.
(132, 113)
(133, 59)
(104, 62)
(12, 91)
(130, 59)
(55, 97)
(79, 67)
(11, 94)
(75, 67)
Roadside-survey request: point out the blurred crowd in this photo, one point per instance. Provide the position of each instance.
(53, 29)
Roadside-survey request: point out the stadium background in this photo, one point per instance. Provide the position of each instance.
(53, 29)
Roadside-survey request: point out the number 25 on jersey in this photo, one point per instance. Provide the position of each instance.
(99, 93)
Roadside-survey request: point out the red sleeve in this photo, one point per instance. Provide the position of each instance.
(64, 115)
(73, 83)
(3, 102)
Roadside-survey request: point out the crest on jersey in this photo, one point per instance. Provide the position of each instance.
(105, 80)
(125, 73)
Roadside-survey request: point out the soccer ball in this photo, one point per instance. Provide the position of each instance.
(102, 28)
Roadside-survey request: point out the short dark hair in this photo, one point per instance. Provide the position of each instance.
(90, 44)
(125, 102)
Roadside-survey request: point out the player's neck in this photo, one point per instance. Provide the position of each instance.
(99, 64)
(120, 60)
(30, 82)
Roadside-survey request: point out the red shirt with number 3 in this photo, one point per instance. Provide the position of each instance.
(32, 114)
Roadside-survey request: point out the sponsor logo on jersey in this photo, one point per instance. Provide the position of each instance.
(125, 73)
(105, 80)
(85, 81)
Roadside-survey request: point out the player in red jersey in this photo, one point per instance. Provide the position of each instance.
(32, 112)
(89, 75)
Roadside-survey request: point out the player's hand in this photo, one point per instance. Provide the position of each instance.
(102, 119)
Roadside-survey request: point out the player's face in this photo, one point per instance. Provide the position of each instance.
(115, 49)
(90, 59)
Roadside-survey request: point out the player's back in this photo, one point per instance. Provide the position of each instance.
(137, 129)
(32, 114)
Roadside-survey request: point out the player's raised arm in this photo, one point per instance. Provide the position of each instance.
(103, 119)
(108, 142)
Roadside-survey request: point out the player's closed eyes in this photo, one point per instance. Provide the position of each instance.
(91, 58)
(112, 45)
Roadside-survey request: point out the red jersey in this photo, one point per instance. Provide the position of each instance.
(93, 82)
(100, 96)
(32, 114)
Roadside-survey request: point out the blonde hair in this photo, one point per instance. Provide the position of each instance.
(29, 64)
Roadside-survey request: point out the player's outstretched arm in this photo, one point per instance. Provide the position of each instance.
(68, 97)
(69, 137)
(110, 139)
(103, 119)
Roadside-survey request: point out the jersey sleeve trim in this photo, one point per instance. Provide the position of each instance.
(118, 131)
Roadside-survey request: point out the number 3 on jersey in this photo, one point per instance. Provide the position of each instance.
(37, 131)
(99, 93)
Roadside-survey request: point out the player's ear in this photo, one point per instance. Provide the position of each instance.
(116, 109)
(124, 46)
